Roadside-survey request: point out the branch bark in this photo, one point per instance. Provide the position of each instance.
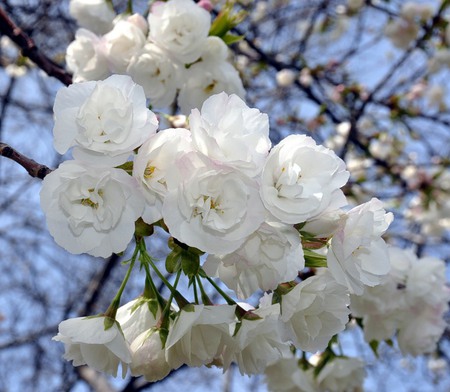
(33, 168)
(30, 50)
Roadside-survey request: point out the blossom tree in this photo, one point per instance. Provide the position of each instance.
(255, 190)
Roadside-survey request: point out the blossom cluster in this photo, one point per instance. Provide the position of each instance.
(412, 302)
(268, 219)
(220, 188)
(168, 53)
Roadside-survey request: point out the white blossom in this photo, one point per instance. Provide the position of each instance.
(94, 15)
(180, 27)
(212, 75)
(258, 342)
(228, 131)
(301, 179)
(358, 255)
(153, 167)
(148, 356)
(285, 77)
(285, 375)
(314, 311)
(421, 328)
(401, 32)
(86, 57)
(271, 255)
(104, 120)
(157, 73)
(199, 334)
(342, 375)
(88, 342)
(135, 317)
(122, 43)
(214, 207)
(90, 209)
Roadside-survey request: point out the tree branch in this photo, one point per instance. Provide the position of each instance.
(30, 50)
(33, 168)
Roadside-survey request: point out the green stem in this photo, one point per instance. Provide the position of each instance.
(205, 298)
(220, 291)
(150, 290)
(112, 309)
(181, 301)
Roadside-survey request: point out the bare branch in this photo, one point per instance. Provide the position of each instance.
(30, 50)
(33, 168)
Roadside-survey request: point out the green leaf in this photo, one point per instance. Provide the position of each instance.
(173, 261)
(232, 38)
(190, 263)
(225, 21)
(314, 260)
(374, 344)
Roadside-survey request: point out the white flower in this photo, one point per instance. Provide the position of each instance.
(89, 209)
(156, 73)
(135, 317)
(94, 15)
(271, 255)
(211, 75)
(285, 77)
(228, 131)
(86, 58)
(314, 311)
(258, 342)
(122, 43)
(285, 375)
(148, 356)
(214, 208)
(153, 167)
(342, 375)
(105, 120)
(301, 179)
(199, 334)
(88, 342)
(180, 27)
(401, 32)
(426, 281)
(358, 255)
(421, 328)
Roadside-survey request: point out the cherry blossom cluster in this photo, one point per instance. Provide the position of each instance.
(266, 220)
(219, 188)
(169, 54)
(412, 302)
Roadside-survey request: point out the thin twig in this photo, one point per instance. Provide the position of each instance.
(33, 168)
(30, 50)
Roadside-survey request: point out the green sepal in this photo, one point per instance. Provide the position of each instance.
(189, 308)
(225, 21)
(153, 306)
(314, 260)
(374, 344)
(190, 263)
(232, 38)
(163, 333)
(142, 229)
(173, 261)
(108, 322)
(127, 166)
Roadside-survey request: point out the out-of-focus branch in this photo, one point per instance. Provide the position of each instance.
(97, 381)
(30, 50)
(33, 168)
